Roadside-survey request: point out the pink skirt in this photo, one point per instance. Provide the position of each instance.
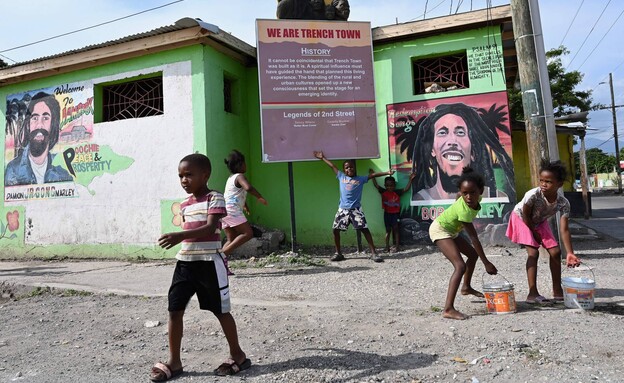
(229, 221)
(518, 232)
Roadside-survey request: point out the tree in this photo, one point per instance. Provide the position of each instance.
(3, 63)
(597, 161)
(566, 99)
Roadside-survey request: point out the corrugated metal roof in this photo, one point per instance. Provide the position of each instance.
(181, 24)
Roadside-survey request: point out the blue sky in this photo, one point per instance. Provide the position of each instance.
(29, 21)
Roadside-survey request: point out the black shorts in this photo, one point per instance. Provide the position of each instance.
(207, 279)
(391, 219)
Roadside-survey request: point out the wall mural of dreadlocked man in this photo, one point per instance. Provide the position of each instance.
(438, 141)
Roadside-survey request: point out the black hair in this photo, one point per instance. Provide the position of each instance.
(55, 117)
(352, 162)
(235, 161)
(468, 174)
(390, 178)
(484, 141)
(555, 167)
(199, 160)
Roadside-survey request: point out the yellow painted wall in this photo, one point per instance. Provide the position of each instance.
(521, 161)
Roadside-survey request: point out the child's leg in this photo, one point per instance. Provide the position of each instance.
(555, 271)
(388, 234)
(369, 239)
(531, 269)
(371, 245)
(229, 236)
(176, 328)
(337, 241)
(395, 233)
(241, 234)
(467, 249)
(451, 252)
(231, 335)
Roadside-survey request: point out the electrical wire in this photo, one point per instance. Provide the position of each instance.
(8, 58)
(424, 14)
(590, 32)
(86, 28)
(602, 38)
(459, 3)
(571, 23)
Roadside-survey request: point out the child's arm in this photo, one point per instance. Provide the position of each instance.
(571, 259)
(528, 220)
(169, 240)
(409, 182)
(241, 181)
(375, 184)
(374, 175)
(321, 156)
(474, 238)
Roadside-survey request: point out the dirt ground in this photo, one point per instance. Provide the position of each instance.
(353, 321)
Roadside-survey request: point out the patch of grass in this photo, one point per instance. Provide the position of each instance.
(435, 309)
(279, 261)
(36, 292)
(75, 293)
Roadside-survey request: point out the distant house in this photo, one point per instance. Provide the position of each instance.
(77, 133)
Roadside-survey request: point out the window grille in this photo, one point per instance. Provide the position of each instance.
(228, 105)
(134, 99)
(448, 72)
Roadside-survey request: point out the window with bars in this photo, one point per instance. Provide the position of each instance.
(439, 74)
(231, 94)
(228, 104)
(133, 99)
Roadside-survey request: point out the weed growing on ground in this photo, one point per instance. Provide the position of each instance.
(279, 261)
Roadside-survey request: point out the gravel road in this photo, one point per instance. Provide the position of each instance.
(353, 321)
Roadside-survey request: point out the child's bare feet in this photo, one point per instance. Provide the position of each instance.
(454, 314)
(394, 249)
(471, 291)
(387, 249)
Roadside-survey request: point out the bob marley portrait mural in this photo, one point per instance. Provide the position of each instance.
(436, 139)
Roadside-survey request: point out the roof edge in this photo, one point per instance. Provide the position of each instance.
(437, 25)
(186, 31)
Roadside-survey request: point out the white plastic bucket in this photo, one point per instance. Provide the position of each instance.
(499, 296)
(578, 292)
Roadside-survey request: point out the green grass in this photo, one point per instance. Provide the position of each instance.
(279, 261)
(75, 293)
(39, 291)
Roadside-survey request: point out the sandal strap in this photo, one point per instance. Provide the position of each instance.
(164, 368)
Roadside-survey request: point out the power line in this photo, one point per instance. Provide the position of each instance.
(424, 14)
(91, 27)
(602, 38)
(8, 58)
(571, 22)
(590, 32)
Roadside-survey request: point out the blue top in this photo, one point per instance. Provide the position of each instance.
(350, 190)
(19, 172)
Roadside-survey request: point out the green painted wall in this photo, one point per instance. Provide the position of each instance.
(316, 188)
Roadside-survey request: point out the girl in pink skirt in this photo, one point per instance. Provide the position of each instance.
(237, 229)
(528, 226)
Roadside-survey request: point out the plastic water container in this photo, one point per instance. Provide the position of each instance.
(578, 291)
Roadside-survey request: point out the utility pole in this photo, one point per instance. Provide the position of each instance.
(535, 85)
(618, 170)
